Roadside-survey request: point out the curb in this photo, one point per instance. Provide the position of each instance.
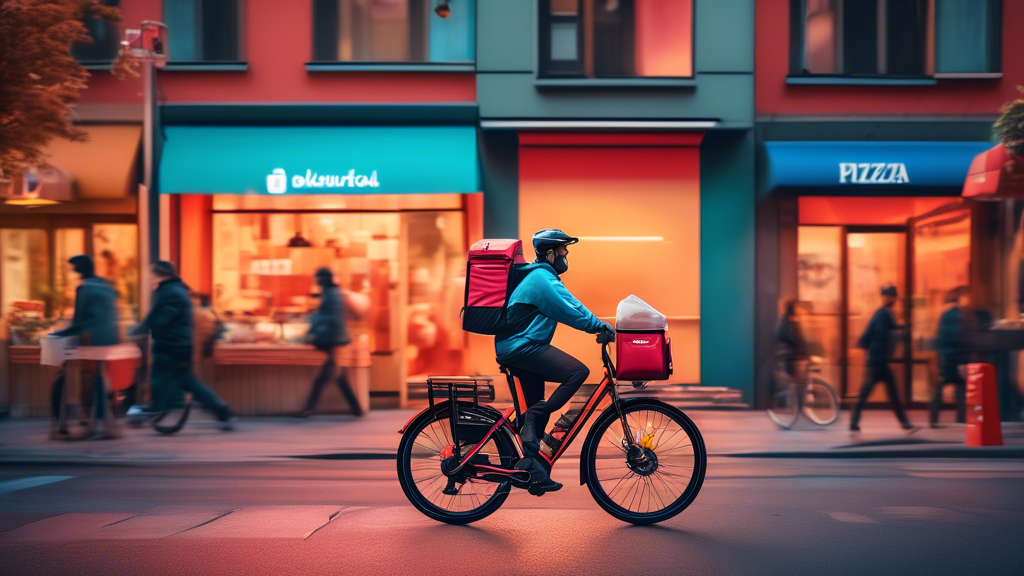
(992, 452)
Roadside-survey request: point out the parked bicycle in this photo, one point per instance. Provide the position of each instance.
(810, 395)
(643, 460)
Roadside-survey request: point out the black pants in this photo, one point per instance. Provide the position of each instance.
(90, 400)
(549, 364)
(873, 374)
(949, 378)
(326, 371)
(172, 374)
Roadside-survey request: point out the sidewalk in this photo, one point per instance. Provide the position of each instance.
(726, 433)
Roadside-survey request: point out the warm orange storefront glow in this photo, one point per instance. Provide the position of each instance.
(636, 211)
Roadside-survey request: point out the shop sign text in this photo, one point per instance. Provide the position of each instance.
(873, 173)
(277, 180)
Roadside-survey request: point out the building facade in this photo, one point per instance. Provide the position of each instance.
(868, 117)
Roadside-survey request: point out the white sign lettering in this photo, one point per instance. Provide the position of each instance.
(277, 181)
(873, 173)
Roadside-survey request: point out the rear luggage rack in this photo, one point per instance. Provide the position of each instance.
(455, 388)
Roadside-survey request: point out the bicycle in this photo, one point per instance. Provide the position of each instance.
(810, 396)
(643, 460)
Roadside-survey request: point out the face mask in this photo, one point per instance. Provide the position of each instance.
(561, 264)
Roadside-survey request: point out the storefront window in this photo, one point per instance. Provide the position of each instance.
(24, 283)
(68, 242)
(820, 290)
(263, 266)
(393, 31)
(616, 38)
(942, 261)
(116, 254)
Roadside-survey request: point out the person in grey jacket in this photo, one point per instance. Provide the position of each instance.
(170, 323)
(878, 339)
(95, 321)
(327, 332)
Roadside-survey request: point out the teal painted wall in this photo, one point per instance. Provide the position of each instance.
(724, 36)
(727, 261)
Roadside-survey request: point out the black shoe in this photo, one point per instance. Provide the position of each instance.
(854, 428)
(542, 488)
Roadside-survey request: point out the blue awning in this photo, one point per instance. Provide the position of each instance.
(867, 166)
(319, 160)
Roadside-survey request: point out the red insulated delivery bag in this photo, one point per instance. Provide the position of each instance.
(491, 276)
(642, 355)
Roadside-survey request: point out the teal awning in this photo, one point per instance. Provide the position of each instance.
(319, 160)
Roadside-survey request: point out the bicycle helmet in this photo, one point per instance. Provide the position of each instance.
(551, 238)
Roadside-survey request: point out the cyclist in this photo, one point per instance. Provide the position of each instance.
(535, 308)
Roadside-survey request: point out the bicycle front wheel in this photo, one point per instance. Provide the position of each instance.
(785, 406)
(660, 482)
(821, 403)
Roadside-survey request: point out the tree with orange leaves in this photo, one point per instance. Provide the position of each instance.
(39, 78)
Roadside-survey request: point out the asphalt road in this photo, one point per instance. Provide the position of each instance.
(351, 517)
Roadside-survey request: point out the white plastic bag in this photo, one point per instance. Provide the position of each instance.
(635, 314)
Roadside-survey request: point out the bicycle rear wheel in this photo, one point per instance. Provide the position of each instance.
(821, 403)
(421, 454)
(173, 420)
(657, 484)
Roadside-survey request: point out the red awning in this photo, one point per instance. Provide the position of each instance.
(995, 174)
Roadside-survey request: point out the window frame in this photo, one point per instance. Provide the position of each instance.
(102, 64)
(179, 65)
(315, 65)
(797, 39)
(563, 73)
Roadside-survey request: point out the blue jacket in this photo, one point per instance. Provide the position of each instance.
(536, 307)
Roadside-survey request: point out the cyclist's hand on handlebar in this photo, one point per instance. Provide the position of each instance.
(607, 334)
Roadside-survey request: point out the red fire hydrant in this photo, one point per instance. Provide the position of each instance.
(983, 426)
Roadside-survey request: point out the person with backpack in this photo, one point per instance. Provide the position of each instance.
(537, 305)
(878, 340)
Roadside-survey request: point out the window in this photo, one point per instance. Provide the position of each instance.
(204, 31)
(616, 38)
(393, 31)
(896, 37)
(106, 41)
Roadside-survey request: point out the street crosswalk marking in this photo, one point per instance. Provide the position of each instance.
(8, 486)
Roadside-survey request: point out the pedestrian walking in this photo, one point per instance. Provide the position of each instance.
(327, 332)
(95, 323)
(878, 340)
(170, 322)
(951, 345)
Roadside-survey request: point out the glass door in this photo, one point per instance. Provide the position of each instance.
(874, 258)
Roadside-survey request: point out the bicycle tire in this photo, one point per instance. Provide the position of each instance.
(605, 498)
(785, 408)
(821, 403)
(177, 426)
(506, 451)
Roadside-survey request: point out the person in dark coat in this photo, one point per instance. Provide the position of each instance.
(170, 323)
(327, 332)
(950, 343)
(789, 335)
(878, 339)
(95, 322)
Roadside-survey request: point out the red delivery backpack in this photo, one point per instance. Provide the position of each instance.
(491, 275)
(642, 355)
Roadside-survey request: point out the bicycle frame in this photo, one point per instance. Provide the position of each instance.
(608, 385)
